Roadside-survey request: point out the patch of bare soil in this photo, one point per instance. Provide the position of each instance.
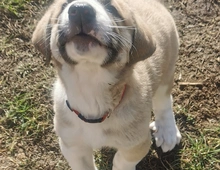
(196, 90)
(199, 62)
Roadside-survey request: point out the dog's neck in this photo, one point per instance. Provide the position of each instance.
(90, 89)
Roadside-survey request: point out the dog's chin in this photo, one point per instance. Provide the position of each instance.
(84, 43)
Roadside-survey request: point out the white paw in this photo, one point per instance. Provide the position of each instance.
(166, 134)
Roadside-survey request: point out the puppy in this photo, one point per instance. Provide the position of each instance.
(115, 62)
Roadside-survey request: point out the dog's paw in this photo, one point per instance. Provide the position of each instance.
(166, 134)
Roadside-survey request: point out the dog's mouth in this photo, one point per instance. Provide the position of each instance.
(83, 40)
(80, 43)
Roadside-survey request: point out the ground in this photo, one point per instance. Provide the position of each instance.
(27, 139)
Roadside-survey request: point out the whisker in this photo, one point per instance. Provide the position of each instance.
(117, 20)
(122, 27)
(123, 42)
(121, 38)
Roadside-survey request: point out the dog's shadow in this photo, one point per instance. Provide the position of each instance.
(157, 160)
(154, 160)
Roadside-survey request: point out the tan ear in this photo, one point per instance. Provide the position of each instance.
(143, 44)
(42, 32)
(41, 36)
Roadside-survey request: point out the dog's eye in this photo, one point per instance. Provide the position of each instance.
(111, 9)
(68, 1)
(105, 2)
(64, 6)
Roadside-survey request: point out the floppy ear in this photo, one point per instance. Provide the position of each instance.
(41, 36)
(42, 32)
(143, 45)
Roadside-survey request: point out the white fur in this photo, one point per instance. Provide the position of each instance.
(77, 139)
(87, 88)
(166, 133)
(95, 54)
(79, 157)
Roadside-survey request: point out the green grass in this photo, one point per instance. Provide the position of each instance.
(104, 158)
(22, 113)
(14, 6)
(201, 151)
(201, 142)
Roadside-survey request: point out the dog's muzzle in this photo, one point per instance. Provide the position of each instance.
(81, 28)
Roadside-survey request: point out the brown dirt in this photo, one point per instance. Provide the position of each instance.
(197, 105)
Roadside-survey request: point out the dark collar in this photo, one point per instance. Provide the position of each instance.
(99, 120)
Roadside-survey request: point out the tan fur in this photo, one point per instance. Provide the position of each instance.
(142, 38)
(137, 152)
(41, 37)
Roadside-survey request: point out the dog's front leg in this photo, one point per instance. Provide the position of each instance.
(127, 159)
(166, 132)
(78, 157)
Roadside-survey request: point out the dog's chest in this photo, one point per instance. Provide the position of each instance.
(87, 89)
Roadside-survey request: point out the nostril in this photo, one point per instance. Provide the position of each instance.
(82, 9)
(73, 10)
(88, 10)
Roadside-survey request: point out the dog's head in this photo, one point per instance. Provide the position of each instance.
(97, 31)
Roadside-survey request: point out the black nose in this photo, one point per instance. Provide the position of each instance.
(81, 12)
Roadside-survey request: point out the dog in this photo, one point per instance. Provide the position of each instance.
(115, 62)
